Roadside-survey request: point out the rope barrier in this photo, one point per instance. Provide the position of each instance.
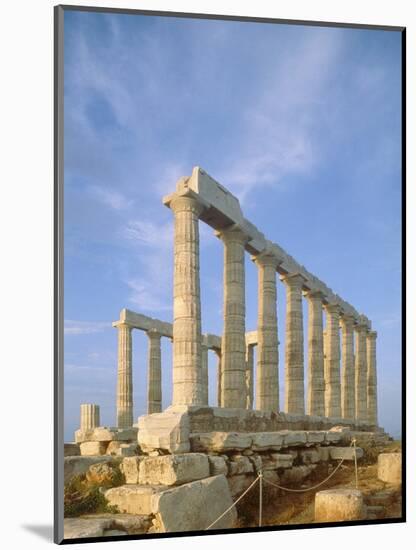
(260, 478)
(233, 504)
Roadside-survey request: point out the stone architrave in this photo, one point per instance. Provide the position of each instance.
(294, 368)
(332, 372)
(267, 383)
(316, 382)
(187, 365)
(249, 375)
(372, 379)
(204, 366)
(124, 376)
(233, 346)
(361, 370)
(90, 416)
(347, 372)
(154, 373)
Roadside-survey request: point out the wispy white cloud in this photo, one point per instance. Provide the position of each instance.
(84, 327)
(109, 197)
(150, 234)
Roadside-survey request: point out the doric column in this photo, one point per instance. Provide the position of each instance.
(316, 384)
(219, 377)
(204, 366)
(90, 416)
(249, 375)
(294, 370)
(361, 370)
(154, 373)
(187, 366)
(267, 383)
(347, 373)
(124, 376)
(332, 372)
(233, 361)
(372, 379)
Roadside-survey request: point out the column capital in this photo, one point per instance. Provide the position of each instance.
(372, 334)
(266, 258)
(314, 295)
(233, 233)
(333, 308)
(189, 202)
(294, 280)
(153, 333)
(122, 324)
(347, 321)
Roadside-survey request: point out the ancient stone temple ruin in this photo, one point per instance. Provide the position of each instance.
(221, 448)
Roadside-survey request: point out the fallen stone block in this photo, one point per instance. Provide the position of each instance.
(345, 453)
(168, 431)
(106, 434)
(389, 468)
(130, 468)
(174, 469)
(103, 473)
(194, 506)
(339, 505)
(217, 465)
(133, 499)
(77, 465)
(71, 449)
(93, 448)
(220, 441)
(264, 441)
(239, 465)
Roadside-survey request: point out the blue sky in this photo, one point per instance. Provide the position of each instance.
(302, 123)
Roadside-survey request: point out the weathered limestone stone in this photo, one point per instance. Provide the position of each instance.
(204, 366)
(168, 431)
(324, 453)
(71, 449)
(174, 469)
(114, 447)
(332, 362)
(333, 437)
(220, 441)
(293, 438)
(310, 456)
(233, 365)
(154, 373)
(133, 499)
(263, 441)
(92, 448)
(389, 468)
(75, 528)
(187, 367)
(90, 416)
(238, 484)
(348, 371)
(239, 465)
(277, 460)
(249, 376)
(130, 468)
(77, 465)
(179, 509)
(131, 524)
(217, 465)
(294, 370)
(257, 462)
(106, 434)
(339, 505)
(124, 376)
(316, 384)
(371, 379)
(295, 475)
(103, 473)
(361, 370)
(315, 437)
(345, 453)
(267, 384)
(127, 449)
(345, 432)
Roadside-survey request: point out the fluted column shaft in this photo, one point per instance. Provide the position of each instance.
(90, 416)
(187, 365)
(233, 362)
(154, 373)
(124, 377)
(249, 376)
(219, 377)
(372, 379)
(267, 383)
(316, 383)
(294, 368)
(347, 372)
(332, 362)
(361, 372)
(204, 366)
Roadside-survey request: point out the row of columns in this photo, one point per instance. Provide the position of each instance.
(327, 394)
